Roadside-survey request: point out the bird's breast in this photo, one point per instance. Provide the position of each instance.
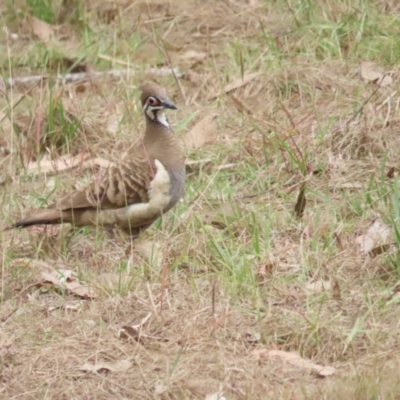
(177, 180)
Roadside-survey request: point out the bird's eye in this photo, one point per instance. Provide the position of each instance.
(152, 101)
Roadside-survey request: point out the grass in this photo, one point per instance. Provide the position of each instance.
(233, 268)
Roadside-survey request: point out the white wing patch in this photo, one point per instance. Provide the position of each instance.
(159, 196)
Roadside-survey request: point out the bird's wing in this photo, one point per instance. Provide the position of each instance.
(118, 186)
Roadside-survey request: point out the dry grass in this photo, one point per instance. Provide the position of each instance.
(232, 269)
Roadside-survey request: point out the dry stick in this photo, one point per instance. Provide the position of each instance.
(73, 77)
(213, 296)
(19, 100)
(163, 275)
(357, 112)
(285, 110)
(38, 122)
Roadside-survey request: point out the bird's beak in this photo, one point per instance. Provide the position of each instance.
(169, 104)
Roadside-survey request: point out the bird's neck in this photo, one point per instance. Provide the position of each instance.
(156, 131)
(162, 143)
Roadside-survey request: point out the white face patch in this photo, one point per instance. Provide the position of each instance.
(162, 118)
(157, 114)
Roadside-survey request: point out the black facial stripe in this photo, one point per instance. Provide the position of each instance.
(152, 113)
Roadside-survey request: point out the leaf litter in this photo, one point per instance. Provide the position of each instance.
(184, 326)
(376, 240)
(370, 72)
(202, 133)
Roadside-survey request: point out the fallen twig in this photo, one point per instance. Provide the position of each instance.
(79, 76)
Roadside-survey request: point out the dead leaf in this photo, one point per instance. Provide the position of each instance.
(338, 239)
(133, 331)
(57, 278)
(48, 277)
(241, 106)
(202, 133)
(42, 30)
(265, 269)
(211, 214)
(370, 72)
(239, 82)
(391, 173)
(301, 202)
(375, 240)
(117, 366)
(336, 291)
(293, 359)
(80, 289)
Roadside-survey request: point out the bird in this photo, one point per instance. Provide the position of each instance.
(146, 183)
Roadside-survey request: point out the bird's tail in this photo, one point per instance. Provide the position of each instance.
(44, 217)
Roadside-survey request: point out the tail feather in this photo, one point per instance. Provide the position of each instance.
(44, 217)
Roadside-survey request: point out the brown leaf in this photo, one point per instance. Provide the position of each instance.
(339, 241)
(210, 215)
(129, 332)
(336, 291)
(390, 173)
(67, 279)
(133, 331)
(202, 133)
(42, 30)
(375, 240)
(117, 366)
(241, 105)
(80, 289)
(301, 202)
(293, 359)
(239, 82)
(372, 73)
(265, 269)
